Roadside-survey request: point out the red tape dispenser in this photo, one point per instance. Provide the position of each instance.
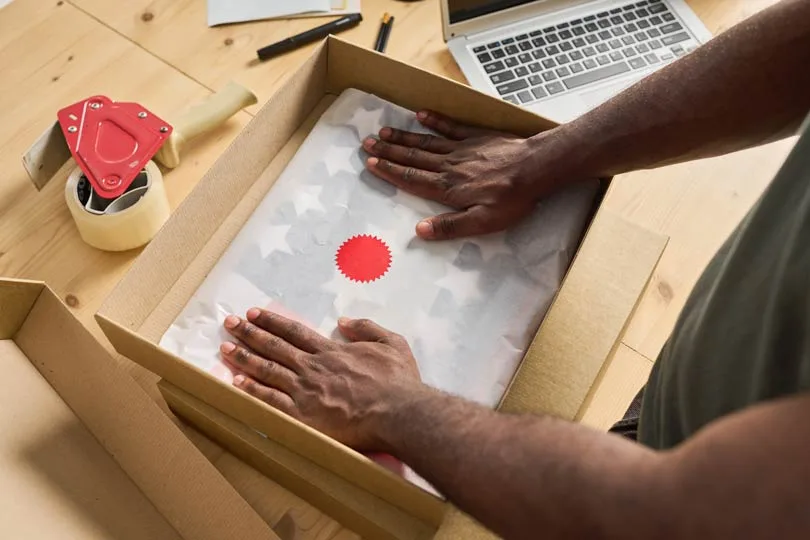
(116, 193)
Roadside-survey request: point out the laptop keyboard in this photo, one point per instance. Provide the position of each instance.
(536, 65)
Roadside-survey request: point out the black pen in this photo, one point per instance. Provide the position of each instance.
(318, 33)
(386, 34)
(379, 44)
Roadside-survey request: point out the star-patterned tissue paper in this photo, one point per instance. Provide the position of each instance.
(330, 239)
(469, 308)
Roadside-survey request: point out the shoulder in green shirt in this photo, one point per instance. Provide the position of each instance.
(744, 334)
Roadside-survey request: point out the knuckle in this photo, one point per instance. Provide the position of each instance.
(295, 330)
(424, 141)
(313, 364)
(265, 369)
(241, 356)
(447, 226)
(382, 147)
(270, 343)
(411, 152)
(247, 330)
(408, 173)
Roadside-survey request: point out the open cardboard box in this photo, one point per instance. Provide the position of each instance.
(582, 327)
(85, 453)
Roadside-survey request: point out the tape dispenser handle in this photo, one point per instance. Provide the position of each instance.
(212, 112)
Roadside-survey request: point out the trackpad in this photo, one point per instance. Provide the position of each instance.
(592, 98)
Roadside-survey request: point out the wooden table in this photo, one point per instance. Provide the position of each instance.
(162, 54)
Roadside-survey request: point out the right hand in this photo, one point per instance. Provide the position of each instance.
(492, 179)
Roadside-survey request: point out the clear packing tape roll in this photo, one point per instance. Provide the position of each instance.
(127, 222)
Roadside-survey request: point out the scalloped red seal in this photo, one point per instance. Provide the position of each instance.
(363, 258)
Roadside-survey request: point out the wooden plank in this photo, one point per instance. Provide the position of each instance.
(176, 31)
(696, 204)
(625, 372)
(38, 239)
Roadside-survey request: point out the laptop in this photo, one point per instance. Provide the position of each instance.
(561, 58)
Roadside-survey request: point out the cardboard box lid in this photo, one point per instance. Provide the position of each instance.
(85, 453)
(141, 307)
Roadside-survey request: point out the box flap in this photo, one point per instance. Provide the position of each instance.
(162, 462)
(610, 271)
(367, 515)
(58, 481)
(17, 296)
(417, 89)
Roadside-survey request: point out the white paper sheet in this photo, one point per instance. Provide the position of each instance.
(235, 11)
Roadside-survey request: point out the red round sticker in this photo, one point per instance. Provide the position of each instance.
(363, 258)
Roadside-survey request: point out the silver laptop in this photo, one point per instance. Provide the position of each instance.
(561, 58)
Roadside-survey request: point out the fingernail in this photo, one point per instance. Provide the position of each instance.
(370, 142)
(231, 321)
(253, 313)
(343, 321)
(385, 132)
(424, 229)
(421, 115)
(227, 347)
(238, 380)
(372, 161)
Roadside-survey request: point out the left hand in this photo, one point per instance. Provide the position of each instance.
(341, 389)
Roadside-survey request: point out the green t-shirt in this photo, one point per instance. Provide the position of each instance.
(744, 334)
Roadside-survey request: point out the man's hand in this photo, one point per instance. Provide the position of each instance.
(492, 179)
(338, 388)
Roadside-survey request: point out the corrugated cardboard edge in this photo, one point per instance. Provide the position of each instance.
(185, 488)
(599, 295)
(17, 297)
(367, 515)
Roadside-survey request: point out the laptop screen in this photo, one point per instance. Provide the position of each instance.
(464, 10)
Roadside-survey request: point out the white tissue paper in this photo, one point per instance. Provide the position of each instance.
(330, 239)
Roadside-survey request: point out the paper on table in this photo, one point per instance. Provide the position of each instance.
(232, 11)
(339, 7)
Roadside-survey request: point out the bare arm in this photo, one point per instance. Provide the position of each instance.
(744, 476)
(748, 86)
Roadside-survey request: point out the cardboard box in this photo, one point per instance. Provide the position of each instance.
(581, 329)
(85, 453)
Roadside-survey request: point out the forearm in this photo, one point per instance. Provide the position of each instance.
(742, 476)
(521, 474)
(746, 87)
